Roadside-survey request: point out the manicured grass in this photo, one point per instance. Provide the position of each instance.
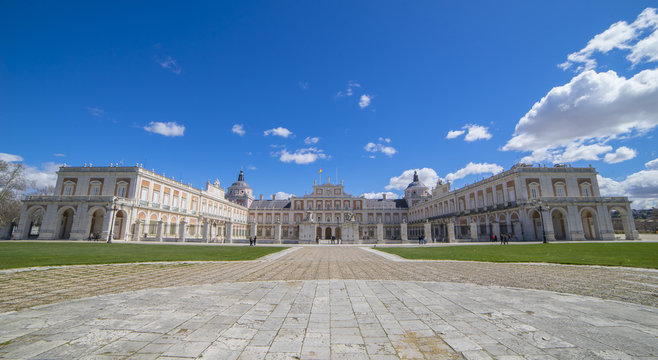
(611, 254)
(16, 255)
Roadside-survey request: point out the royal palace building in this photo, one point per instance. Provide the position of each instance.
(134, 204)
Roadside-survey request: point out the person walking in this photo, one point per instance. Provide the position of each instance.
(255, 240)
(507, 238)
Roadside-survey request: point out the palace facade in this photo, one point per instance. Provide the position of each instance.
(132, 203)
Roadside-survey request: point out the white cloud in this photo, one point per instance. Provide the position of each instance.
(311, 140)
(454, 134)
(641, 188)
(280, 195)
(640, 38)
(251, 167)
(477, 132)
(364, 102)
(473, 133)
(426, 175)
(44, 176)
(349, 91)
(238, 129)
(10, 157)
(279, 131)
(303, 85)
(380, 195)
(652, 165)
(592, 107)
(59, 155)
(473, 169)
(379, 147)
(170, 64)
(622, 154)
(301, 156)
(97, 112)
(167, 129)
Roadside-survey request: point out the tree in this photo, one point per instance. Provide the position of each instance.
(12, 185)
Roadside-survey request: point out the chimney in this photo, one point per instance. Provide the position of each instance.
(384, 196)
(260, 197)
(273, 196)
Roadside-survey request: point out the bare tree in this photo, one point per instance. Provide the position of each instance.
(12, 185)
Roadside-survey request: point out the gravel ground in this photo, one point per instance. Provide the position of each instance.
(19, 290)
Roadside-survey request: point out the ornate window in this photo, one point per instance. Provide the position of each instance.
(144, 194)
(586, 189)
(534, 190)
(122, 189)
(95, 188)
(68, 188)
(560, 189)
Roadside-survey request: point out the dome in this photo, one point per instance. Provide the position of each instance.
(240, 184)
(416, 182)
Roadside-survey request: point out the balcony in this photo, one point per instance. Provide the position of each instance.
(155, 205)
(165, 207)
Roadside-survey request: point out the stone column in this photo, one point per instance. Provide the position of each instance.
(107, 224)
(253, 229)
(451, 231)
(182, 230)
(379, 233)
(205, 232)
(427, 229)
(159, 231)
(575, 223)
(628, 222)
(474, 231)
(518, 230)
(548, 226)
(23, 222)
(277, 233)
(495, 227)
(403, 231)
(229, 232)
(139, 225)
(80, 221)
(605, 223)
(49, 223)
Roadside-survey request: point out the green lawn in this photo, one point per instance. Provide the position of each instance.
(16, 255)
(611, 254)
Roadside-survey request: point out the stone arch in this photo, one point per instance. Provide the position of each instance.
(65, 217)
(560, 224)
(33, 225)
(590, 224)
(626, 221)
(318, 233)
(119, 230)
(97, 217)
(537, 225)
(327, 233)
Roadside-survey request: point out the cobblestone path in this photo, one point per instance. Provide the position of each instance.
(19, 290)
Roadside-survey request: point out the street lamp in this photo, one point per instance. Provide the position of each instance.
(538, 204)
(114, 210)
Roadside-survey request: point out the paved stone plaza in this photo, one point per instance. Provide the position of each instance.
(329, 302)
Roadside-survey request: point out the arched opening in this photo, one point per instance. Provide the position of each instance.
(338, 234)
(560, 225)
(327, 233)
(589, 224)
(538, 227)
(34, 226)
(96, 226)
(65, 223)
(621, 221)
(119, 225)
(318, 233)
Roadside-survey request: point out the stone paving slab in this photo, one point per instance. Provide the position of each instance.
(24, 289)
(332, 319)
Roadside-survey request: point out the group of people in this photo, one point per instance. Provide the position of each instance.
(504, 238)
(422, 240)
(252, 241)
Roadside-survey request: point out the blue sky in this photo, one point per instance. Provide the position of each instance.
(370, 90)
